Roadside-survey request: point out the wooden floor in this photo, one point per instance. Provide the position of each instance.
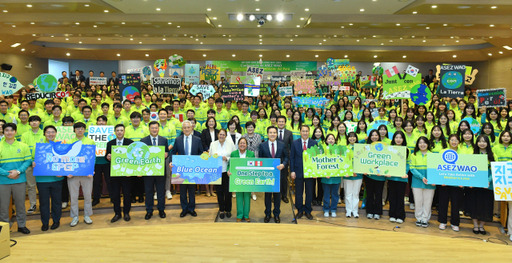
(206, 239)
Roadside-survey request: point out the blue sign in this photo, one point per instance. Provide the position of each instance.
(313, 102)
(55, 158)
(451, 168)
(195, 169)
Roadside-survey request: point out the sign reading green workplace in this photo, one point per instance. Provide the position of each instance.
(274, 66)
(327, 161)
(137, 159)
(380, 159)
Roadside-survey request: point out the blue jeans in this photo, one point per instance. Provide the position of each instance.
(331, 197)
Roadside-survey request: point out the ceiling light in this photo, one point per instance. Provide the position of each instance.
(320, 43)
(404, 56)
(214, 18)
(350, 24)
(32, 23)
(5, 11)
(424, 40)
(507, 47)
(99, 38)
(118, 54)
(169, 23)
(208, 9)
(67, 39)
(445, 24)
(306, 9)
(219, 26)
(501, 52)
(375, 56)
(494, 7)
(434, 6)
(15, 44)
(158, 9)
(427, 27)
(131, 39)
(489, 54)
(261, 43)
(163, 39)
(229, 39)
(240, 17)
(77, 23)
(491, 25)
(29, 5)
(13, 25)
(79, 42)
(68, 54)
(316, 56)
(269, 17)
(397, 24)
(86, 5)
(279, 17)
(123, 23)
(52, 36)
(454, 56)
(414, 12)
(291, 40)
(147, 55)
(140, 42)
(361, 10)
(257, 9)
(197, 39)
(260, 55)
(204, 55)
(201, 43)
(346, 56)
(106, 11)
(302, 19)
(95, 26)
(234, 55)
(251, 17)
(261, 39)
(298, 25)
(287, 56)
(180, 26)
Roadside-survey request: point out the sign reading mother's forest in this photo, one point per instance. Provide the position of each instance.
(327, 161)
(57, 159)
(254, 175)
(380, 159)
(137, 159)
(451, 168)
(194, 169)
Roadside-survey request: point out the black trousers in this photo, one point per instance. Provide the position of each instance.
(452, 194)
(65, 190)
(396, 195)
(100, 171)
(50, 192)
(188, 204)
(411, 195)
(318, 191)
(284, 181)
(374, 190)
(150, 183)
(223, 194)
(302, 184)
(277, 203)
(116, 184)
(137, 186)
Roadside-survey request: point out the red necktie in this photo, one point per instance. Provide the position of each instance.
(273, 151)
(305, 147)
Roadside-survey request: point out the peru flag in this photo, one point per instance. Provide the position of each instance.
(392, 71)
(254, 163)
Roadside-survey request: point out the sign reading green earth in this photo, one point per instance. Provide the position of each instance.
(327, 161)
(9, 84)
(421, 94)
(138, 159)
(46, 83)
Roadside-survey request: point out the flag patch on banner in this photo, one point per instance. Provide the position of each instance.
(254, 163)
(392, 71)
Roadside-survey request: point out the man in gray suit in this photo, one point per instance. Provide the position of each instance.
(285, 136)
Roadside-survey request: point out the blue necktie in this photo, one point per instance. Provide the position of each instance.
(154, 141)
(187, 150)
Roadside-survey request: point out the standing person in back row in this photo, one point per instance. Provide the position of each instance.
(187, 144)
(297, 173)
(285, 136)
(273, 149)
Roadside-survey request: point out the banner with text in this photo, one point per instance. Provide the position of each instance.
(137, 159)
(254, 175)
(451, 168)
(192, 74)
(233, 92)
(313, 102)
(206, 90)
(129, 86)
(195, 169)
(502, 180)
(58, 159)
(268, 66)
(101, 135)
(166, 85)
(97, 81)
(492, 97)
(452, 81)
(380, 159)
(399, 86)
(9, 84)
(327, 161)
(286, 91)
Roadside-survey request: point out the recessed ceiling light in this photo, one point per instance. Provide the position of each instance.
(280, 17)
(169, 23)
(204, 55)
(382, 44)
(434, 6)
(320, 43)
(123, 23)
(424, 40)
(13, 25)
(316, 56)
(163, 39)
(68, 54)
(350, 24)
(346, 56)
(291, 39)
(454, 56)
(260, 55)
(239, 17)
(427, 27)
(214, 18)
(414, 12)
(197, 39)
(489, 54)
(298, 25)
(302, 19)
(490, 37)
(257, 9)
(287, 56)
(306, 9)
(67, 39)
(201, 43)
(32, 23)
(397, 24)
(140, 42)
(491, 25)
(5, 11)
(507, 47)
(77, 23)
(131, 39)
(106, 11)
(361, 10)
(404, 56)
(95, 26)
(208, 9)
(178, 26)
(445, 24)
(86, 5)
(158, 9)
(229, 39)
(15, 44)
(29, 5)
(261, 39)
(357, 40)
(79, 42)
(342, 26)
(99, 38)
(234, 55)
(147, 55)
(118, 54)
(457, 41)
(219, 25)
(494, 7)
(261, 43)
(32, 35)
(375, 56)
(501, 52)
(324, 40)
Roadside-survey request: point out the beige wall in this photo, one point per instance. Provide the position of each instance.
(501, 74)
(18, 62)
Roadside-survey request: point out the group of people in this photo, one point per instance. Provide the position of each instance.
(267, 126)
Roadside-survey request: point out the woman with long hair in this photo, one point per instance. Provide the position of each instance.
(423, 192)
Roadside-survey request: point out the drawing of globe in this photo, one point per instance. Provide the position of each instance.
(130, 92)
(46, 83)
(452, 80)
(379, 147)
(420, 94)
(13, 80)
(137, 151)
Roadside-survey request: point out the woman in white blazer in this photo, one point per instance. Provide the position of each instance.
(223, 148)
(232, 134)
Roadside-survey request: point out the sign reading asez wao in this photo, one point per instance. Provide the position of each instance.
(451, 168)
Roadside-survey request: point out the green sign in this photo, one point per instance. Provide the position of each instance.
(137, 159)
(254, 175)
(399, 86)
(327, 161)
(380, 159)
(274, 66)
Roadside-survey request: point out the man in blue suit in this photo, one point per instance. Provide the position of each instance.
(273, 149)
(187, 144)
(297, 173)
(152, 182)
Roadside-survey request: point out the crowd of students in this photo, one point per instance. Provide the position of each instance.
(246, 125)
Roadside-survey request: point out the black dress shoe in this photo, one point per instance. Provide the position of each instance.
(475, 231)
(309, 216)
(313, 202)
(148, 215)
(277, 219)
(193, 213)
(127, 217)
(162, 214)
(221, 215)
(55, 225)
(285, 199)
(183, 213)
(23, 230)
(300, 215)
(141, 199)
(228, 214)
(115, 218)
(482, 231)
(134, 200)
(44, 228)
(95, 202)
(267, 219)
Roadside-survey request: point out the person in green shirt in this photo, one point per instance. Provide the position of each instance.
(56, 119)
(74, 182)
(31, 138)
(77, 114)
(221, 115)
(117, 118)
(127, 109)
(47, 113)
(100, 170)
(23, 124)
(8, 117)
(87, 116)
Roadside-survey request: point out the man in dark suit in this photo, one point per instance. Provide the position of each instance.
(273, 149)
(77, 78)
(285, 136)
(158, 182)
(297, 173)
(88, 79)
(114, 78)
(430, 77)
(116, 183)
(187, 144)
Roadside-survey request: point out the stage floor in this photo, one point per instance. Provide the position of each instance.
(206, 238)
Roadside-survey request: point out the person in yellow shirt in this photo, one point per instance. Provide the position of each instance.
(127, 109)
(138, 107)
(77, 114)
(56, 119)
(23, 124)
(4, 115)
(117, 118)
(96, 111)
(87, 116)
(48, 111)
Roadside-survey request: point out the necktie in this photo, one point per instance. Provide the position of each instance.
(281, 135)
(305, 147)
(118, 142)
(273, 151)
(154, 141)
(187, 150)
